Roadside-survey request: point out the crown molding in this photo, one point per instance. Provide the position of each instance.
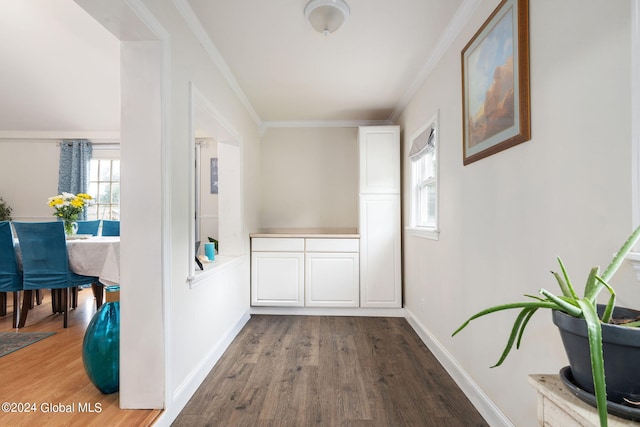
(225, 132)
(42, 136)
(324, 123)
(455, 26)
(200, 33)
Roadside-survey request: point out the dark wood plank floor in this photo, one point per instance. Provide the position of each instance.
(328, 371)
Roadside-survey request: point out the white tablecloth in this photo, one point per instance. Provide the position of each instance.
(97, 256)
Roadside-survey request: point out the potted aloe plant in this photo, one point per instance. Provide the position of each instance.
(586, 318)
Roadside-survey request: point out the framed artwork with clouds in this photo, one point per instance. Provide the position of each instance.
(495, 83)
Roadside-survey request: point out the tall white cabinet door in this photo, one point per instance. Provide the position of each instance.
(380, 262)
(332, 280)
(277, 279)
(379, 159)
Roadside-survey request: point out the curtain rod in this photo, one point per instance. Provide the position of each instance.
(99, 145)
(54, 136)
(57, 141)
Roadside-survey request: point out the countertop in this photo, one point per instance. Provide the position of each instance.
(319, 232)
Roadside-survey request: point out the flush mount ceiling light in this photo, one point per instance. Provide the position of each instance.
(326, 16)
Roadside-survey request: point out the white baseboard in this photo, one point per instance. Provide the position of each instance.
(489, 411)
(329, 311)
(185, 391)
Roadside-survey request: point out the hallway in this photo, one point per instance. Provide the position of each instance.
(328, 371)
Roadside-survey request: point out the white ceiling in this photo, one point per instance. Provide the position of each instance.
(288, 71)
(60, 69)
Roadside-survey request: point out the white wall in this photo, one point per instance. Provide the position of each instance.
(309, 177)
(505, 218)
(28, 177)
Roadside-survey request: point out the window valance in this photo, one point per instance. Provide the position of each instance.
(423, 143)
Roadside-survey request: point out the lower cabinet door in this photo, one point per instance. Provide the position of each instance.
(277, 279)
(332, 280)
(380, 261)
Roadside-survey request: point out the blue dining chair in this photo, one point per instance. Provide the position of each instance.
(10, 274)
(88, 227)
(110, 227)
(45, 264)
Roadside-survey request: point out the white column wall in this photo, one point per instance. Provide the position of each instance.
(141, 249)
(171, 334)
(200, 320)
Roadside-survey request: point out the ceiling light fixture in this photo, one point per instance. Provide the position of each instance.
(326, 16)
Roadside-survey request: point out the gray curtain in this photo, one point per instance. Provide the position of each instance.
(73, 177)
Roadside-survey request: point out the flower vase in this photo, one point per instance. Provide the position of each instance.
(70, 227)
(101, 345)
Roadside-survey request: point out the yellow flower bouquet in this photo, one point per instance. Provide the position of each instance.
(68, 207)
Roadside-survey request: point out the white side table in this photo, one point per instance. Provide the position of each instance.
(558, 407)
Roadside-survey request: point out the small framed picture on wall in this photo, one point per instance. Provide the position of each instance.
(214, 175)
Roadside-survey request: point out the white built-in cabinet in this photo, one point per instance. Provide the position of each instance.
(379, 157)
(277, 272)
(332, 273)
(306, 271)
(380, 244)
(309, 272)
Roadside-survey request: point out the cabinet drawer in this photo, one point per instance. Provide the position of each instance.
(332, 245)
(268, 244)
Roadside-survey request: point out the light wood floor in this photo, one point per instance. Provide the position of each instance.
(50, 373)
(328, 371)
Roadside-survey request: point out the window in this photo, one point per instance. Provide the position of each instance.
(214, 215)
(425, 187)
(104, 187)
(424, 180)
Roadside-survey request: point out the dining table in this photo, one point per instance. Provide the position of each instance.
(97, 256)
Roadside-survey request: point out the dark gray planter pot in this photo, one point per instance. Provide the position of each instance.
(621, 351)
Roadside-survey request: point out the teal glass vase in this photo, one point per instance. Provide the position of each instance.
(101, 344)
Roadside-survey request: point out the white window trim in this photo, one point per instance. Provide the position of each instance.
(423, 232)
(427, 232)
(221, 264)
(111, 206)
(106, 151)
